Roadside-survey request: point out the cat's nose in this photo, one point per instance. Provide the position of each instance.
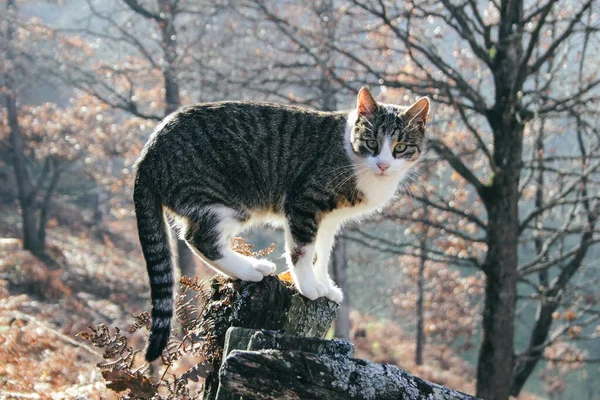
(383, 165)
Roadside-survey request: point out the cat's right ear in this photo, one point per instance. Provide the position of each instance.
(366, 104)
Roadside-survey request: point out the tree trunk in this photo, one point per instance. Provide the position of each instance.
(501, 199)
(250, 356)
(495, 363)
(420, 339)
(26, 190)
(46, 202)
(185, 257)
(340, 276)
(328, 21)
(496, 353)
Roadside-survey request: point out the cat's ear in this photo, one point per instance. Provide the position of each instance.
(417, 113)
(366, 104)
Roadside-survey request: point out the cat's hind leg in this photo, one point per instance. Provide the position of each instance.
(209, 234)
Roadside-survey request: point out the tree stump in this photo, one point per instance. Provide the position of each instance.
(271, 304)
(267, 344)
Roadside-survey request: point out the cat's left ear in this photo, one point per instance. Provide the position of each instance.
(417, 113)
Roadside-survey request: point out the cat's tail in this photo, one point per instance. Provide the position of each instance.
(155, 240)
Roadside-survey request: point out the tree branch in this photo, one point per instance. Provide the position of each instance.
(443, 151)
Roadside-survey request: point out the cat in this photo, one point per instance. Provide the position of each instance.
(218, 168)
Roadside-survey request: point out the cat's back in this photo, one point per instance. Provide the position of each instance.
(246, 122)
(254, 146)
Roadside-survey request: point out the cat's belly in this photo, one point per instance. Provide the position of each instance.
(338, 217)
(377, 194)
(258, 218)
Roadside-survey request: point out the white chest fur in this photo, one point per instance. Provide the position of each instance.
(378, 192)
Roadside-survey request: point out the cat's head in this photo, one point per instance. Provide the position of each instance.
(384, 138)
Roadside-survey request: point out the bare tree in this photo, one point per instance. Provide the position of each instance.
(486, 81)
(35, 192)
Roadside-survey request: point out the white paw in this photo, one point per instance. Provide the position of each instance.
(335, 294)
(311, 290)
(322, 289)
(248, 273)
(265, 267)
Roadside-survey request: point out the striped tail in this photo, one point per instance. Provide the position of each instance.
(154, 238)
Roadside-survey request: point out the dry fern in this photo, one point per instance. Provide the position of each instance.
(196, 337)
(142, 320)
(239, 245)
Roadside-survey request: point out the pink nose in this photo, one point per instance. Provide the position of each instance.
(383, 166)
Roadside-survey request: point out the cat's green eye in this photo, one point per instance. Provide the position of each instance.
(372, 144)
(400, 148)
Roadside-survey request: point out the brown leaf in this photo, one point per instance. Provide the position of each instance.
(121, 380)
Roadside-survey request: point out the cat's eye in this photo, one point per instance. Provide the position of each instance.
(372, 144)
(400, 148)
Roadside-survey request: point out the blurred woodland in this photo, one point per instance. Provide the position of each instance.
(482, 276)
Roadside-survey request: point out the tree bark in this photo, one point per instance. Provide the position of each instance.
(293, 374)
(46, 202)
(500, 267)
(251, 357)
(420, 334)
(340, 276)
(501, 200)
(270, 304)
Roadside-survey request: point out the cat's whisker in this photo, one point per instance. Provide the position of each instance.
(355, 174)
(346, 169)
(406, 188)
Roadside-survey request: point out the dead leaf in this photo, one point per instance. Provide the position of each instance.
(120, 380)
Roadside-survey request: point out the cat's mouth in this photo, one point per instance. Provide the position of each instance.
(384, 174)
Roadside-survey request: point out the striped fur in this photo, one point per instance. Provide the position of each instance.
(221, 167)
(155, 241)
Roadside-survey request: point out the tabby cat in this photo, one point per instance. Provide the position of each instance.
(218, 168)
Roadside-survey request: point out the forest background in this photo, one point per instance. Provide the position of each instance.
(482, 275)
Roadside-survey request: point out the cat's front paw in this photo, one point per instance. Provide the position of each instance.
(311, 290)
(248, 274)
(265, 267)
(335, 294)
